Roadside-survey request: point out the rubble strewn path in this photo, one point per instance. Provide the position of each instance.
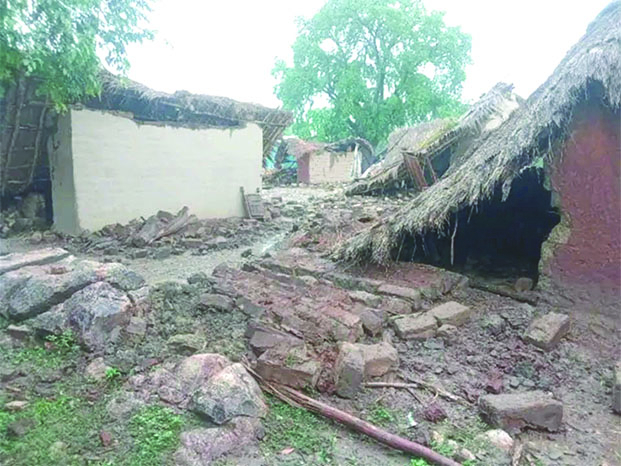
(96, 331)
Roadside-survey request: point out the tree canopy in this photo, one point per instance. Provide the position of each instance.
(60, 41)
(364, 67)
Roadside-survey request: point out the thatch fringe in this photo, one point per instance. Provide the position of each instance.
(529, 133)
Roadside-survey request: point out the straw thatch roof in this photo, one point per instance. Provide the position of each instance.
(190, 110)
(428, 140)
(530, 133)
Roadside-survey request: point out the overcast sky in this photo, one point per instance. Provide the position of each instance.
(229, 48)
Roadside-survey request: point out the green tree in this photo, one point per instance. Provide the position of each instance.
(60, 41)
(364, 67)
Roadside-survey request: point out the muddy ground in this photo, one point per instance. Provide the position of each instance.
(71, 419)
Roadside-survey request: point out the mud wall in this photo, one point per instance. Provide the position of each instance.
(582, 258)
(304, 169)
(326, 167)
(61, 172)
(122, 170)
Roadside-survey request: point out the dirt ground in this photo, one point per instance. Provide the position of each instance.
(489, 347)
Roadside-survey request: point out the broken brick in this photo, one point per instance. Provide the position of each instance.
(415, 326)
(451, 313)
(547, 331)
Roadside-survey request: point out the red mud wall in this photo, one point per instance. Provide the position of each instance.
(304, 169)
(587, 178)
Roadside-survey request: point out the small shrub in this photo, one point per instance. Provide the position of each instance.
(112, 374)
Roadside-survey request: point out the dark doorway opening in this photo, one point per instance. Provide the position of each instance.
(495, 239)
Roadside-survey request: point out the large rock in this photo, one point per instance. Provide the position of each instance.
(32, 290)
(230, 393)
(45, 256)
(616, 389)
(289, 366)
(547, 331)
(451, 313)
(517, 411)
(96, 315)
(415, 326)
(202, 446)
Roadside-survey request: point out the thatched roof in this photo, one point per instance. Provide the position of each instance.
(429, 139)
(529, 133)
(190, 110)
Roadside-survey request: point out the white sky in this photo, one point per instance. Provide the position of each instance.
(229, 48)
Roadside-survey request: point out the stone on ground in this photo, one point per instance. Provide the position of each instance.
(290, 366)
(372, 320)
(97, 369)
(415, 326)
(19, 332)
(230, 393)
(45, 256)
(451, 313)
(186, 343)
(349, 370)
(517, 411)
(410, 294)
(31, 290)
(14, 406)
(137, 327)
(95, 314)
(547, 331)
(523, 284)
(204, 445)
(616, 389)
(358, 362)
(217, 302)
(264, 338)
(369, 299)
(499, 439)
(379, 359)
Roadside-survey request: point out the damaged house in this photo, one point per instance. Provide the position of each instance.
(336, 162)
(417, 156)
(539, 195)
(132, 152)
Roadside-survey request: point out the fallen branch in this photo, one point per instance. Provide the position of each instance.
(295, 398)
(416, 383)
(505, 292)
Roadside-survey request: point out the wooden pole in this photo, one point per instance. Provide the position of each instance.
(295, 398)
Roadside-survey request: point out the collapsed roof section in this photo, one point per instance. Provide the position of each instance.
(528, 136)
(418, 156)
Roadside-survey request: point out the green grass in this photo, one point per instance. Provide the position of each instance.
(64, 419)
(380, 415)
(62, 348)
(155, 431)
(290, 427)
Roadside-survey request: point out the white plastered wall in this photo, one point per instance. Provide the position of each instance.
(326, 167)
(123, 170)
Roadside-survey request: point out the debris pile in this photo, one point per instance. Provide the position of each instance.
(26, 215)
